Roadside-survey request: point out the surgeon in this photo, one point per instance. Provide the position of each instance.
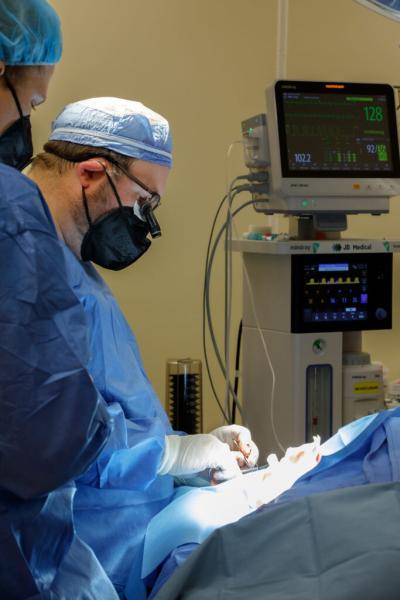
(101, 175)
(42, 369)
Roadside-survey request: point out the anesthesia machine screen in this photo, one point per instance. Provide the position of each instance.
(344, 292)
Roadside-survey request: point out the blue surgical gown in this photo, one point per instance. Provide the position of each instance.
(81, 429)
(121, 492)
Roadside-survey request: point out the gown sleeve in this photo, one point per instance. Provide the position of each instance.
(53, 420)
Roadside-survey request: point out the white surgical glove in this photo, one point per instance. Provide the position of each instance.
(239, 439)
(188, 454)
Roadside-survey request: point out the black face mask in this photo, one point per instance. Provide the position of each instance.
(117, 239)
(16, 149)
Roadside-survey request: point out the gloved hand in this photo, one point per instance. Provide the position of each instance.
(239, 439)
(188, 454)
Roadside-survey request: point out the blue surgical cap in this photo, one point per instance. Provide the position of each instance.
(123, 126)
(30, 33)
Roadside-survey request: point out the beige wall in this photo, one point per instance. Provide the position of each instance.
(204, 64)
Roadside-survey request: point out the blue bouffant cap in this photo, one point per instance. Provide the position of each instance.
(123, 126)
(30, 33)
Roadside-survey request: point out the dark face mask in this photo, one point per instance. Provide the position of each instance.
(117, 239)
(16, 149)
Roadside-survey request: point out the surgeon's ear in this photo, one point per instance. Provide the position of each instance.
(90, 172)
(2, 68)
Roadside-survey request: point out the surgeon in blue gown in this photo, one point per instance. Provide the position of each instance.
(73, 376)
(37, 393)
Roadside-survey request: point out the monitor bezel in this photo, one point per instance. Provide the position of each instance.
(348, 88)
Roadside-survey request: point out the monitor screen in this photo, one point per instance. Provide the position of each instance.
(341, 292)
(337, 130)
(336, 291)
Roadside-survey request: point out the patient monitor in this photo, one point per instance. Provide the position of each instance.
(330, 149)
(327, 147)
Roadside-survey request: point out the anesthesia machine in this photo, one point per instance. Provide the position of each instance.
(329, 150)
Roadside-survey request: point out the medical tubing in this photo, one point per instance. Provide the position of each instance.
(226, 310)
(258, 176)
(226, 419)
(265, 348)
(206, 287)
(248, 176)
(261, 186)
(228, 297)
(208, 270)
(208, 308)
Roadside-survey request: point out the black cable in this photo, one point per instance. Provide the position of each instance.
(237, 366)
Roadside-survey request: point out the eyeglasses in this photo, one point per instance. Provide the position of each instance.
(146, 204)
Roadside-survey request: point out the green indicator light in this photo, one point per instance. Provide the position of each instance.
(304, 203)
(319, 346)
